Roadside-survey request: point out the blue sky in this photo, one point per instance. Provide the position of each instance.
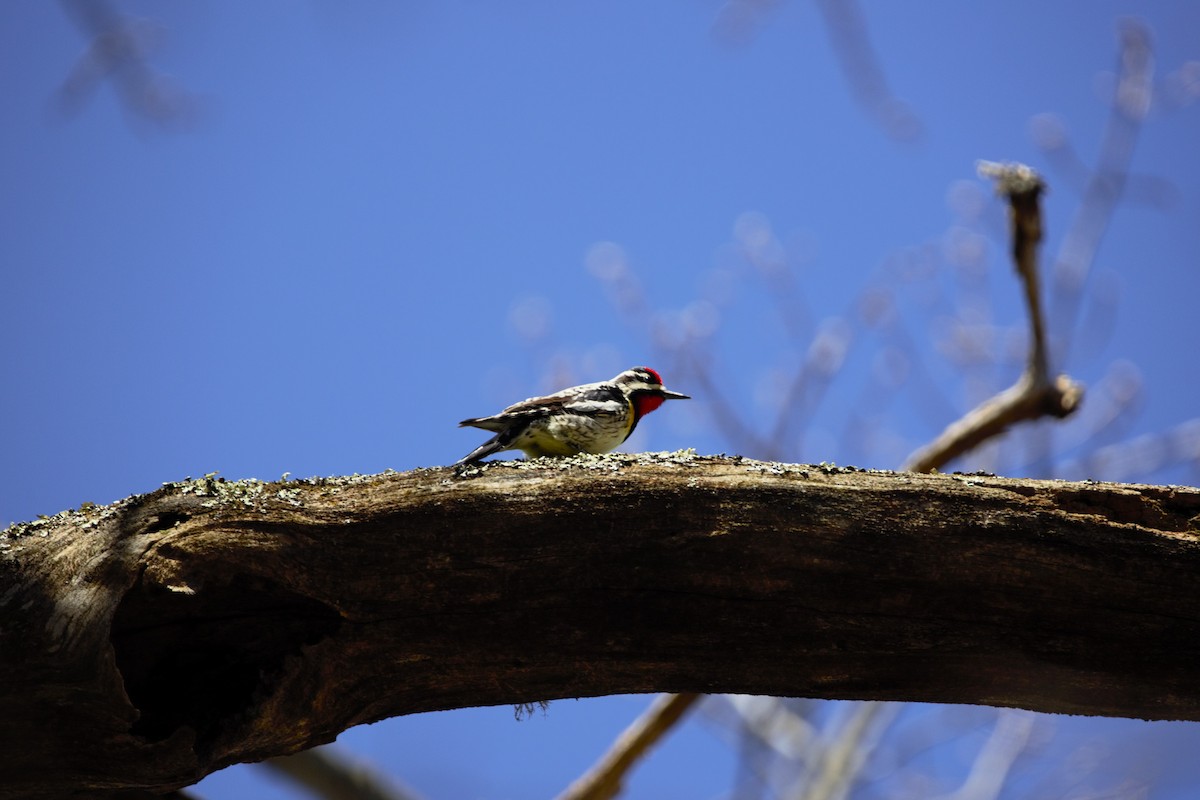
(377, 220)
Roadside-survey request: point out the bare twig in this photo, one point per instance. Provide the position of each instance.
(776, 724)
(117, 51)
(604, 780)
(811, 382)
(1009, 738)
(1035, 393)
(842, 758)
(725, 413)
(1130, 104)
(328, 775)
(847, 28)
(825, 762)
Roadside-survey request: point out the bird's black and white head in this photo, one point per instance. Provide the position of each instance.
(645, 389)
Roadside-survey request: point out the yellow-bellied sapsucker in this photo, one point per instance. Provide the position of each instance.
(592, 418)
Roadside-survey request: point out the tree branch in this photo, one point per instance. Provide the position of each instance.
(1035, 394)
(150, 642)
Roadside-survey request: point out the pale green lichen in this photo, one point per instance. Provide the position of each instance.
(221, 491)
(217, 491)
(775, 468)
(88, 515)
(290, 496)
(602, 462)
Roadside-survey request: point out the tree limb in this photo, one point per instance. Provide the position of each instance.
(150, 642)
(1035, 394)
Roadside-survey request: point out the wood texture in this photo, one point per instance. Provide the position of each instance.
(147, 643)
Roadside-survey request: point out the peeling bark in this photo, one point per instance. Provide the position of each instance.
(150, 642)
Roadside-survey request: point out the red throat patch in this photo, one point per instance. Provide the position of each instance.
(643, 404)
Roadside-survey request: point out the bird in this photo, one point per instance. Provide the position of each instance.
(591, 418)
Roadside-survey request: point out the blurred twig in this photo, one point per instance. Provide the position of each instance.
(604, 780)
(1130, 103)
(848, 32)
(117, 51)
(829, 756)
(738, 22)
(1010, 736)
(842, 758)
(1035, 394)
(328, 775)
(724, 411)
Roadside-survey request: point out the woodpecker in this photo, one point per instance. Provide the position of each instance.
(592, 418)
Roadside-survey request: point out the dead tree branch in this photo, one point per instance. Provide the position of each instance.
(150, 642)
(1035, 394)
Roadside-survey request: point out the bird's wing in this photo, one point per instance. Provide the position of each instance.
(590, 398)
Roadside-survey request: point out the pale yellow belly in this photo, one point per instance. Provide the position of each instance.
(568, 436)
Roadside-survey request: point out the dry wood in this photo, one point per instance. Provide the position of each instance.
(147, 643)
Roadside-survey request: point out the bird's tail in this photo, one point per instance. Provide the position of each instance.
(492, 445)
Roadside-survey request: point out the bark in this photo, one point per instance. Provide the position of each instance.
(150, 642)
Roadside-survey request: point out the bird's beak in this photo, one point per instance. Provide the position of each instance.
(673, 395)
